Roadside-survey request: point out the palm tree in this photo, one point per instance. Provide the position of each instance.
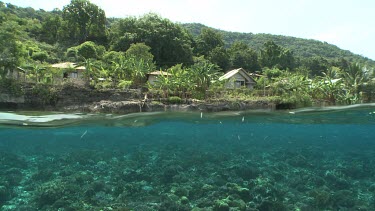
(35, 71)
(354, 77)
(90, 68)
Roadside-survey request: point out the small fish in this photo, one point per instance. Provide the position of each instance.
(238, 137)
(83, 134)
(201, 115)
(243, 118)
(135, 121)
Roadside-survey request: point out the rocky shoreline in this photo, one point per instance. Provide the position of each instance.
(78, 99)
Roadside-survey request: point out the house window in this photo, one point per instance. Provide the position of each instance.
(74, 75)
(240, 83)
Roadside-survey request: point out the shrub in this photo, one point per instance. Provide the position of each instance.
(174, 100)
(47, 95)
(124, 84)
(40, 56)
(103, 85)
(11, 86)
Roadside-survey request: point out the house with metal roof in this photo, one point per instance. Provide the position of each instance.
(152, 77)
(238, 78)
(71, 70)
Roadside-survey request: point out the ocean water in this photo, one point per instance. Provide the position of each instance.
(307, 159)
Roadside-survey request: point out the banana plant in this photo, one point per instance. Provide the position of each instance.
(90, 68)
(355, 76)
(329, 89)
(36, 72)
(163, 83)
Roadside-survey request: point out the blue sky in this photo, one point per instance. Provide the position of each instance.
(347, 24)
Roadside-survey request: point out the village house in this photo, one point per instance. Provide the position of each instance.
(70, 70)
(17, 74)
(238, 78)
(152, 77)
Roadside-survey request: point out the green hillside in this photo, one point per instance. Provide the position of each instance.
(305, 48)
(123, 51)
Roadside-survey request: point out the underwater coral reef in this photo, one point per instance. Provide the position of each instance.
(188, 176)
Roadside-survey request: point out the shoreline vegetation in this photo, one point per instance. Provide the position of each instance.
(71, 97)
(67, 60)
(81, 99)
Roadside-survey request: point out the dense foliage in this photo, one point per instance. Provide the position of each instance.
(302, 48)
(119, 53)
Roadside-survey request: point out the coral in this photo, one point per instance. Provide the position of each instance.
(322, 198)
(221, 205)
(243, 192)
(4, 194)
(49, 193)
(42, 175)
(272, 205)
(160, 167)
(344, 198)
(184, 200)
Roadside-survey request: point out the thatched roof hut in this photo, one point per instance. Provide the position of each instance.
(152, 77)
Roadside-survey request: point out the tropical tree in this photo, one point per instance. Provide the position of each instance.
(119, 70)
(273, 55)
(90, 68)
(355, 76)
(241, 55)
(138, 69)
(11, 50)
(83, 20)
(87, 50)
(38, 73)
(220, 57)
(328, 89)
(202, 73)
(292, 88)
(208, 40)
(163, 83)
(316, 65)
(170, 43)
(50, 29)
(180, 80)
(141, 51)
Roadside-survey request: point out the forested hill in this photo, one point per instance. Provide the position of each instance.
(305, 48)
(81, 32)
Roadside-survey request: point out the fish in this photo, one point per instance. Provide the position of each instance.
(83, 134)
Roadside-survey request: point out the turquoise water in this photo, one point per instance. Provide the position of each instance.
(309, 159)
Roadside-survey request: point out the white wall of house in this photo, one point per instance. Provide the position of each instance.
(152, 79)
(15, 74)
(74, 75)
(238, 81)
